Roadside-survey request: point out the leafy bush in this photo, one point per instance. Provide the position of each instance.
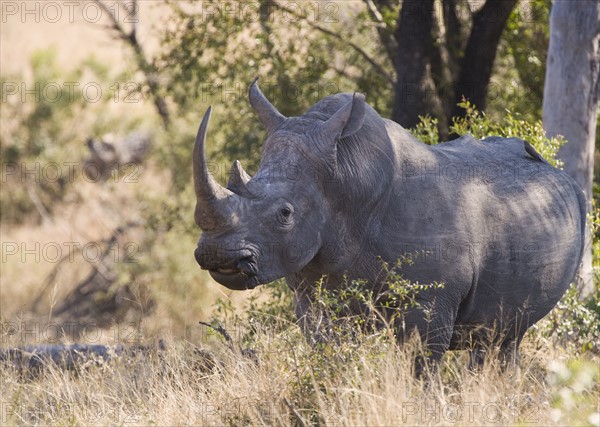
(480, 125)
(575, 386)
(34, 135)
(575, 322)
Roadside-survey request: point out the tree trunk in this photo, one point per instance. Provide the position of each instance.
(571, 91)
(415, 93)
(415, 43)
(480, 53)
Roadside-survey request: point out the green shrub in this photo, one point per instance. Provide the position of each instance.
(574, 387)
(575, 322)
(480, 125)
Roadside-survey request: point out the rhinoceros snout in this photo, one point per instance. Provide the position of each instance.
(237, 272)
(214, 258)
(234, 269)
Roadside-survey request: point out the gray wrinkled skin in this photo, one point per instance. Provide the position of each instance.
(339, 189)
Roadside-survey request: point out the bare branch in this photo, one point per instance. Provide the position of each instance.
(480, 52)
(115, 23)
(343, 38)
(299, 417)
(375, 13)
(385, 32)
(146, 67)
(134, 21)
(37, 202)
(453, 35)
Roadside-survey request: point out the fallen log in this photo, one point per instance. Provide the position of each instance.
(35, 357)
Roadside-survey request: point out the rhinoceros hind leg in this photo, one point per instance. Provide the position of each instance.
(477, 356)
(509, 353)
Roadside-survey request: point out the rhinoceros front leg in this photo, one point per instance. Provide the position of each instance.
(313, 323)
(434, 323)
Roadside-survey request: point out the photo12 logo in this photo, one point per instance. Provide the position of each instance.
(89, 412)
(53, 252)
(66, 172)
(53, 92)
(54, 12)
(19, 333)
(467, 413)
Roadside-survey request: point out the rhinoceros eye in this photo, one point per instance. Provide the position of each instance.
(284, 215)
(286, 212)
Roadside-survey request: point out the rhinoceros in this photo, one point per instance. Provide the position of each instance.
(341, 191)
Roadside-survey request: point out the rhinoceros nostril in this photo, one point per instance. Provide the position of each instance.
(247, 265)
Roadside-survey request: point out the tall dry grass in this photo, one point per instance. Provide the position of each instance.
(366, 381)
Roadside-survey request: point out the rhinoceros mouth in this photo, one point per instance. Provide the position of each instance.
(227, 271)
(236, 270)
(237, 274)
(234, 279)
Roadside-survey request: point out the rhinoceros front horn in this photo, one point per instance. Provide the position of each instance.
(267, 113)
(213, 202)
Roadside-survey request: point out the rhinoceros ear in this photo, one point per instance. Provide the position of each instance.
(267, 113)
(347, 120)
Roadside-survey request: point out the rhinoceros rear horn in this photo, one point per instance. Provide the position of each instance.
(347, 120)
(212, 200)
(238, 180)
(267, 113)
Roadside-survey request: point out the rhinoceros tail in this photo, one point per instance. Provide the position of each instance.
(531, 151)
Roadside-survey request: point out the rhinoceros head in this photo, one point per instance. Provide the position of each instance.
(265, 227)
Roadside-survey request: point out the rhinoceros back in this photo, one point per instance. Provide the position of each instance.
(526, 221)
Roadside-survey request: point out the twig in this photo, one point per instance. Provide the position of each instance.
(96, 267)
(147, 69)
(38, 203)
(375, 13)
(343, 38)
(384, 31)
(221, 330)
(295, 412)
(134, 22)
